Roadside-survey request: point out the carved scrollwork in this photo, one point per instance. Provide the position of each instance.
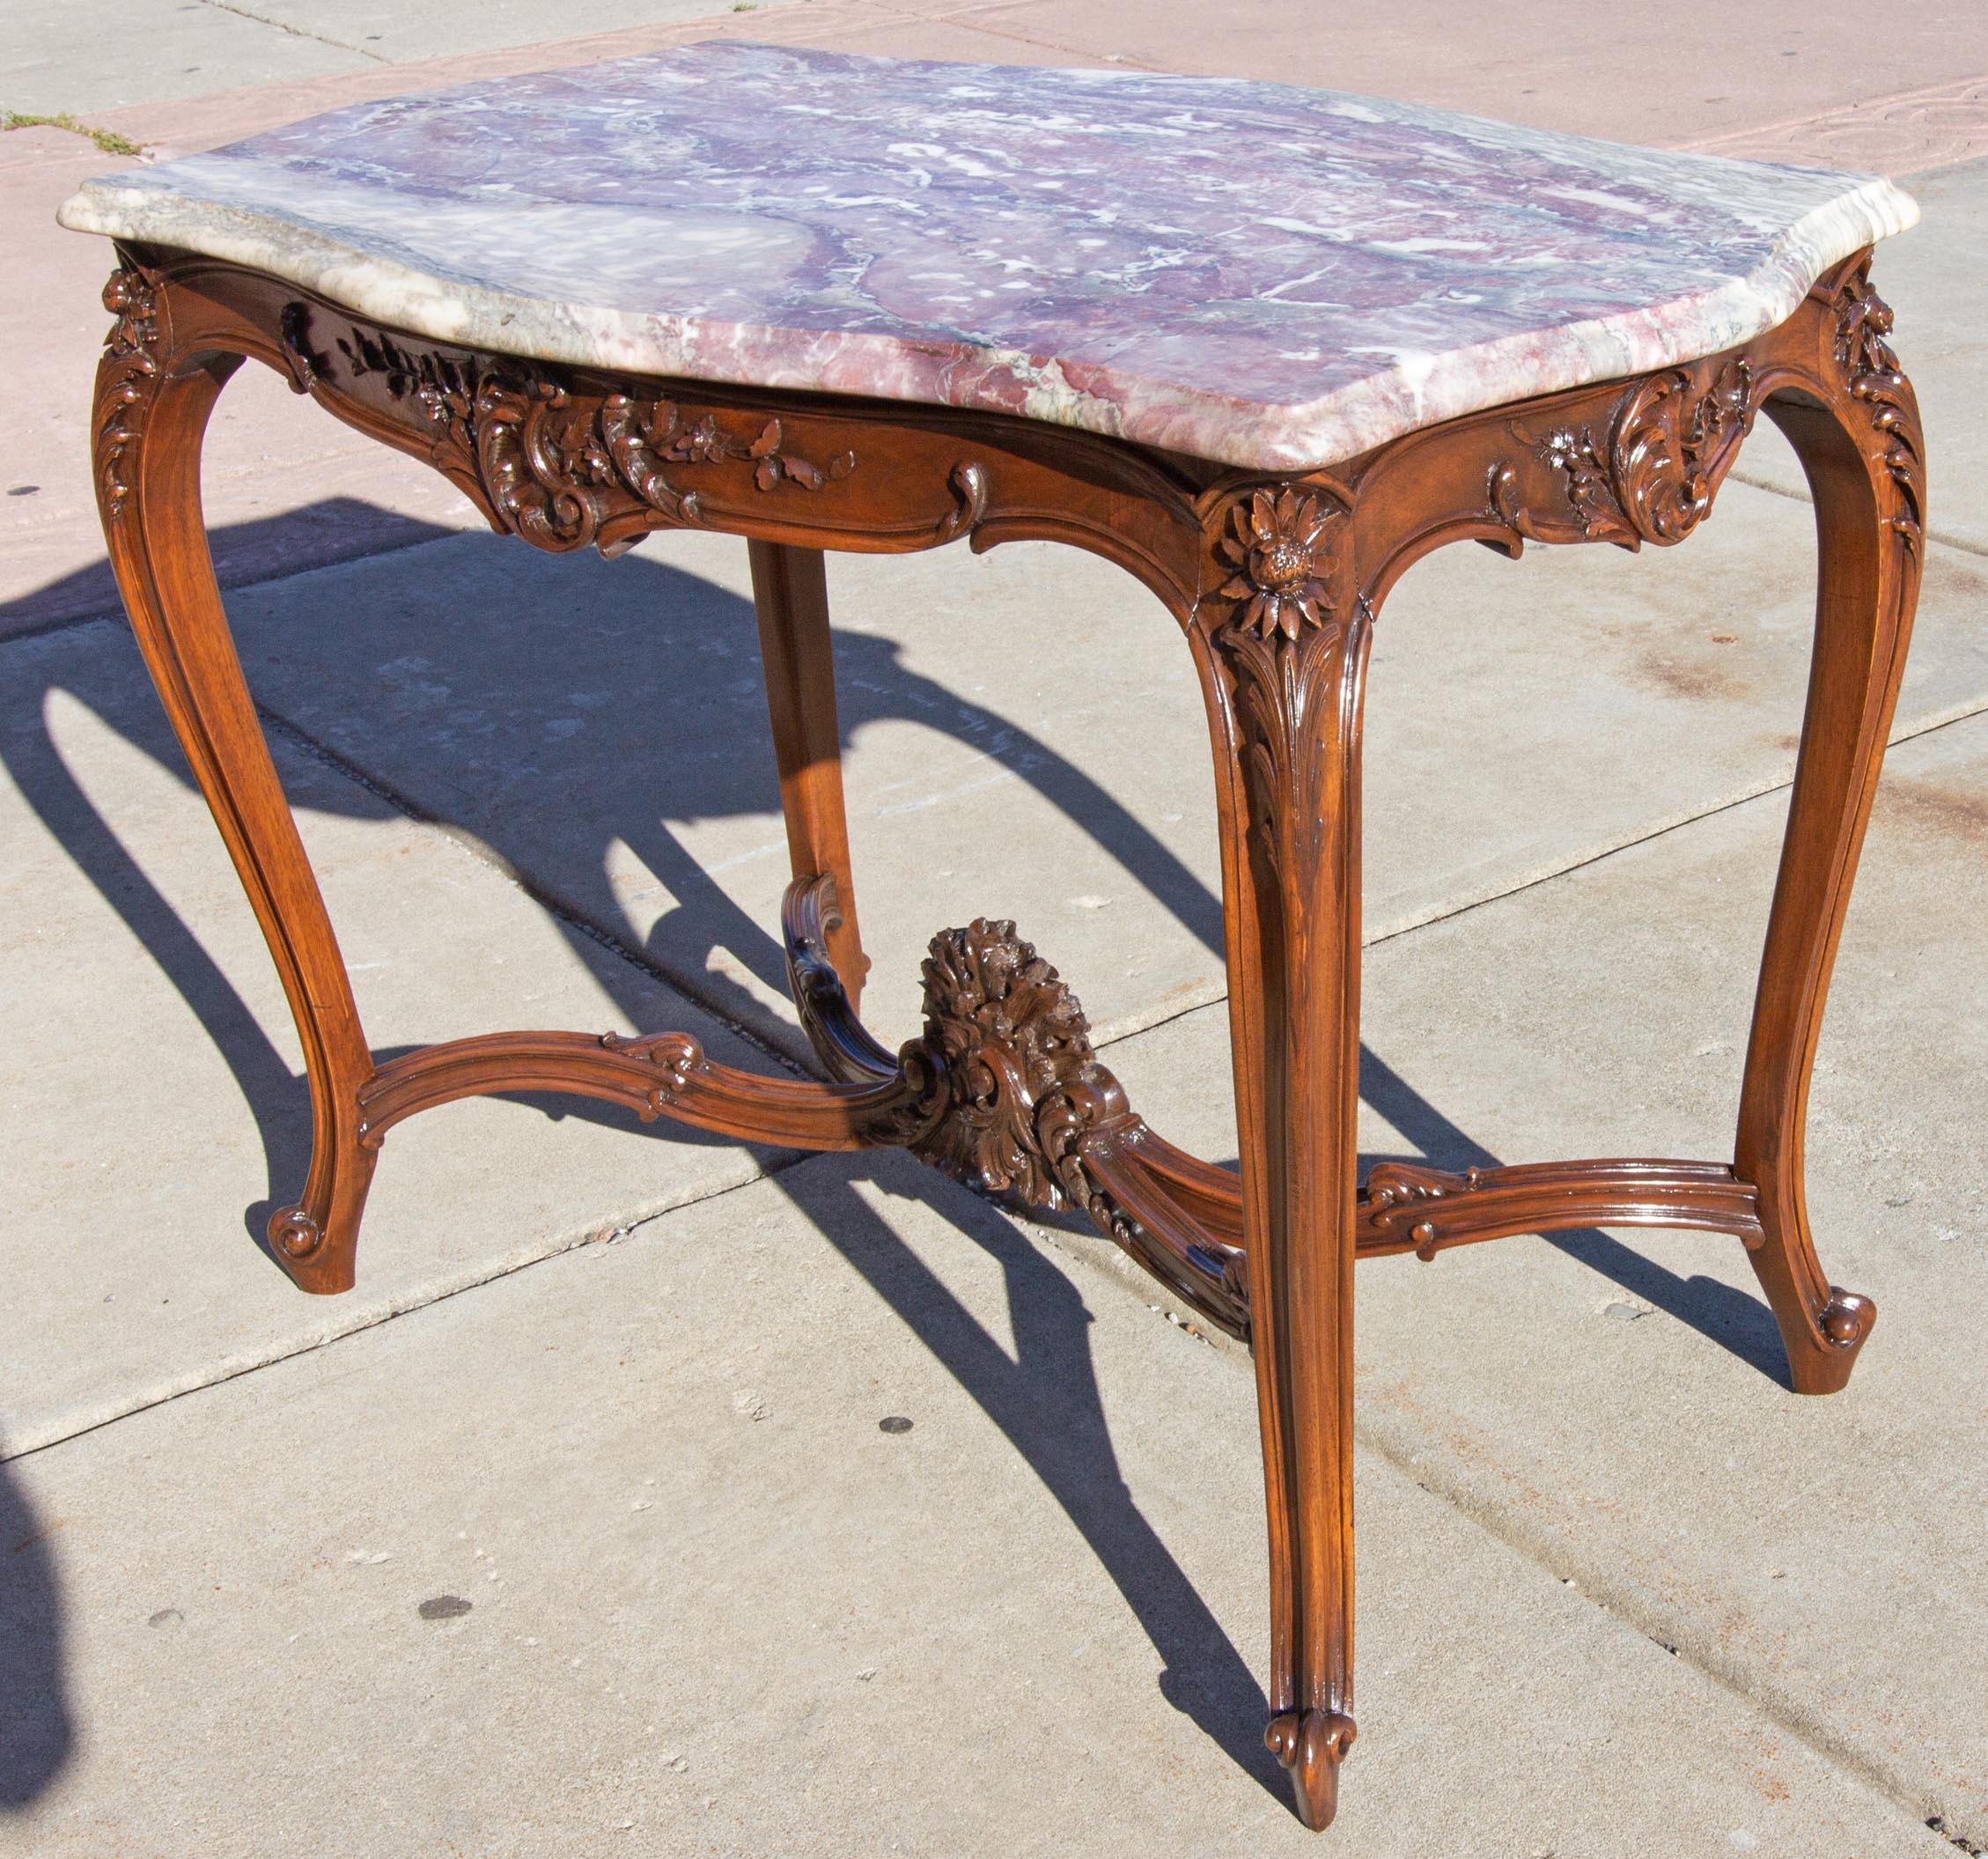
(1004, 1092)
(127, 379)
(1672, 438)
(1016, 1102)
(561, 469)
(810, 911)
(968, 483)
(1312, 1743)
(674, 1058)
(1871, 372)
(294, 1233)
(1396, 1192)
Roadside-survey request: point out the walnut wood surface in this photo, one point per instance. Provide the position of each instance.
(1277, 584)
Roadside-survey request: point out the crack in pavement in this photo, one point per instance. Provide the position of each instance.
(294, 32)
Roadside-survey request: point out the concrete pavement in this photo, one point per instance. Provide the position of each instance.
(714, 1609)
(1620, 1592)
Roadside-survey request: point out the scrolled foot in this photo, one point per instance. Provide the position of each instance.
(1821, 1364)
(1846, 1318)
(303, 1248)
(294, 1233)
(1312, 1743)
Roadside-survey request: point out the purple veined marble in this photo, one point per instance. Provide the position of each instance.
(1265, 276)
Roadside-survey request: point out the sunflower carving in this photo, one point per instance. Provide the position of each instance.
(1278, 551)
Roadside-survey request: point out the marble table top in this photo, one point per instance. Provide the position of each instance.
(1270, 276)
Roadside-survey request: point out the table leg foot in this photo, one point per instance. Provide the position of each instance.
(1822, 1336)
(1312, 1743)
(316, 1240)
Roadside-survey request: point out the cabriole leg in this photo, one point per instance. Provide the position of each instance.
(151, 416)
(1284, 672)
(1860, 449)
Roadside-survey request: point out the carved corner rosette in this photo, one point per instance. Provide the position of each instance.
(1282, 614)
(128, 378)
(1671, 440)
(1864, 357)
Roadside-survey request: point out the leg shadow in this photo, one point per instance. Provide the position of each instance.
(37, 1734)
(279, 1099)
(662, 636)
(1741, 1325)
(1045, 1399)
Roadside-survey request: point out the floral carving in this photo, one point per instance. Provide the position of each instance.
(1671, 442)
(1864, 353)
(1276, 546)
(441, 386)
(127, 379)
(1010, 1042)
(556, 468)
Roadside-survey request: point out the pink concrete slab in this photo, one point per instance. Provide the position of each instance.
(178, 127)
(286, 489)
(1933, 127)
(1658, 74)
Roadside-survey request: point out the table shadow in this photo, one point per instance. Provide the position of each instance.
(1062, 1436)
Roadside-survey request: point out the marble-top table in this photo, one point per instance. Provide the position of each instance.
(1264, 348)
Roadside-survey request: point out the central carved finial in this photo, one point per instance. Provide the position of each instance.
(1009, 1041)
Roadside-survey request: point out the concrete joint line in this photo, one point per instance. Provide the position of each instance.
(1945, 720)
(294, 32)
(1945, 539)
(1678, 1632)
(421, 1298)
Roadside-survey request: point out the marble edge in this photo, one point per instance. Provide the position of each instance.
(1121, 403)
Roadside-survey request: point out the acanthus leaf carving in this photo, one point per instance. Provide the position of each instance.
(1672, 438)
(559, 467)
(1010, 1041)
(126, 381)
(1396, 1192)
(1282, 625)
(1004, 1092)
(1864, 354)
